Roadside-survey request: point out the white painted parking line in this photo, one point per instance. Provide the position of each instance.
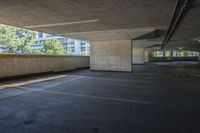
(31, 81)
(62, 82)
(72, 78)
(14, 95)
(120, 80)
(88, 96)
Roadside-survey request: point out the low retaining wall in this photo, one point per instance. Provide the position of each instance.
(169, 59)
(16, 64)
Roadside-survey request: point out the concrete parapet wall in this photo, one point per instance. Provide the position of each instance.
(16, 65)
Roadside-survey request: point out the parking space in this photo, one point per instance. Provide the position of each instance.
(149, 100)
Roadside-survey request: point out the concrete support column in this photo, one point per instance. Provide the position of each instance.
(138, 56)
(199, 58)
(115, 55)
(172, 57)
(146, 56)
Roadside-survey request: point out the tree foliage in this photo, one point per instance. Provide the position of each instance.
(37, 51)
(53, 47)
(16, 40)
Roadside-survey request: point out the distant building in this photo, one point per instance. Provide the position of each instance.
(71, 46)
(3, 49)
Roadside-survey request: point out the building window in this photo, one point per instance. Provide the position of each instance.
(83, 49)
(50, 35)
(62, 40)
(72, 49)
(83, 44)
(40, 35)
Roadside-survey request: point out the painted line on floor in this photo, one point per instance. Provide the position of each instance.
(9, 85)
(62, 82)
(44, 89)
(88, 96)
(120, 80)
(28, 90)
(14, 95)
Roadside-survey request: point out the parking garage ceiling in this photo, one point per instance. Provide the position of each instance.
(103, 19)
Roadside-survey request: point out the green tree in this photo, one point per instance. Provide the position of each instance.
(53, 47)
(27, 38)
(16, 40)
(37, 51)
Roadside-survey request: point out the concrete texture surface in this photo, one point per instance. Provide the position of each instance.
(138, 55)
(106, 20)
(88, 19)
(153, 99)
(16, 65)
(111, 55)
(187, 33)
(146, 56)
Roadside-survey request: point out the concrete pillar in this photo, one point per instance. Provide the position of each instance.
(113, 55)
(146, 56)
(138, 56)
(199, 58)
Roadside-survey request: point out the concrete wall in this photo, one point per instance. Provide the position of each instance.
(111, 55)
(138, 55)
(14, 65)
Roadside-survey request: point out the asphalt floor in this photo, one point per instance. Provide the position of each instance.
(153, 99)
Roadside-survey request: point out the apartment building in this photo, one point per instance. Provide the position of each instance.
(71, 46)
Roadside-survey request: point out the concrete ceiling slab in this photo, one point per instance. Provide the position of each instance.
(147, 43)
(187, 34)
(103, 19)
(65, 17)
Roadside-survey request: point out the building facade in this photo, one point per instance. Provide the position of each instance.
(71, 46)
(3, 49)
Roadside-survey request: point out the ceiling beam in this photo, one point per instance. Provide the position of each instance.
(178, 14)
